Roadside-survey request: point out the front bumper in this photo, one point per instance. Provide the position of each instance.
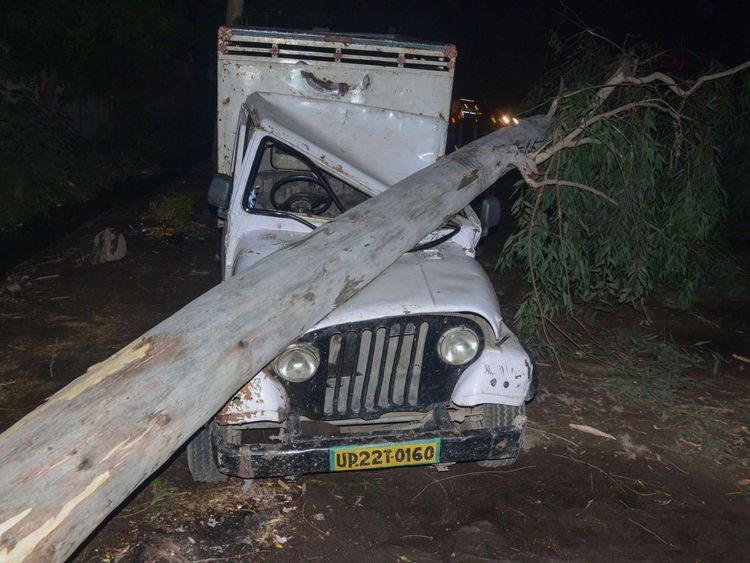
(312, 454)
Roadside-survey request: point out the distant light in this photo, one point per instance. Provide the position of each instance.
(505, 119)
(515, 121)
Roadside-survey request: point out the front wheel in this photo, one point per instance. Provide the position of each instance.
(202, 458)
(502, 417)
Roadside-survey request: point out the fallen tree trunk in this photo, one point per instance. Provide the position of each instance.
(68, 464)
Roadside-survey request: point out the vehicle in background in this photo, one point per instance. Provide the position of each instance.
(503, 119)
(464, 122)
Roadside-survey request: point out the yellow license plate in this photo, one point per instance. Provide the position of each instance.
(398, 454)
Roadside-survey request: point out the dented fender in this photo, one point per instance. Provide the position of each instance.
(501, 375)
(262, 399)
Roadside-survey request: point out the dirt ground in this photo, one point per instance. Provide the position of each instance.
(667, 478)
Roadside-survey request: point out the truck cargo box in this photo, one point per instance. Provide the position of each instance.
(374, 70)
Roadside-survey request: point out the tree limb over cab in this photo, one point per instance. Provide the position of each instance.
(418, 367)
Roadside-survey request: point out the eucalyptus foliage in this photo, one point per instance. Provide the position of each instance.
(659, 160)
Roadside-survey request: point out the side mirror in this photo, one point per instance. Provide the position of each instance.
(220, 193)
(489, 214)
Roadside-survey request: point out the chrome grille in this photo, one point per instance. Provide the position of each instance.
(375, 368)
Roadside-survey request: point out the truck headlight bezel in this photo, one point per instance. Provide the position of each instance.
(297, 364)
(458, 345)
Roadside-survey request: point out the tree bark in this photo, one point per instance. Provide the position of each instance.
(73, 460)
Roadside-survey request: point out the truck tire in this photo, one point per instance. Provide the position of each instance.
(503, 417)
(201, 458)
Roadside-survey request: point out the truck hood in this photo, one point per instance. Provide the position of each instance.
(439, 280)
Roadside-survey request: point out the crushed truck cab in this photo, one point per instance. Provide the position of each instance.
(418, 367)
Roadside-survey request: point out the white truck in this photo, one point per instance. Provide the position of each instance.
(418, 367)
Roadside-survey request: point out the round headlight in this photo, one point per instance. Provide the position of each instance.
(458, 345)
(297, 363)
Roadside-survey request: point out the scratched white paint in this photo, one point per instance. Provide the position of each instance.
(263, 399)
(502, 375)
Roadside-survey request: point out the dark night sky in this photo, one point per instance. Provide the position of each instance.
(502, 45)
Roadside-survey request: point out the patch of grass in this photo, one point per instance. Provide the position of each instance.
(651, 372)
(653, 366)
(173, 210)
(31, 186)
(161, 494)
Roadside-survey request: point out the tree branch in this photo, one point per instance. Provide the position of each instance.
(568, 141)
(674, 87)
(565, 183)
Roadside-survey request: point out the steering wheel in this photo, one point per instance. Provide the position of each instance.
(303, 202)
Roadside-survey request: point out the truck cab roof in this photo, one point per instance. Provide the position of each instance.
(370, 148)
